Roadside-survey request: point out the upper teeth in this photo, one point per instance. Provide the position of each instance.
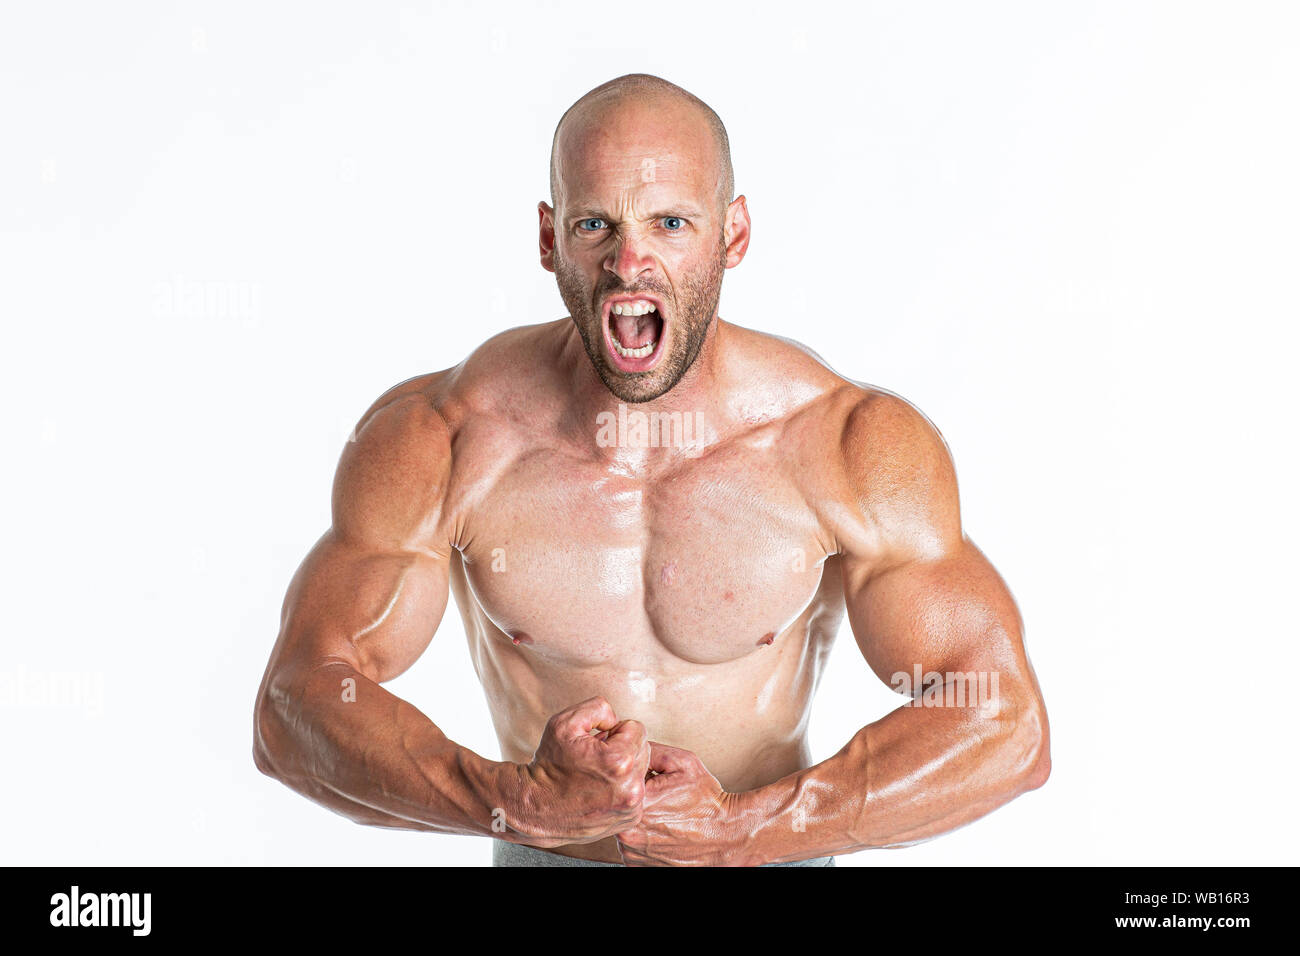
(639, 307)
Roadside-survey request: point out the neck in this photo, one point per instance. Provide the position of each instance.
(696, 401)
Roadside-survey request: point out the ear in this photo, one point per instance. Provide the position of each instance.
(546, 235)
(736, 231)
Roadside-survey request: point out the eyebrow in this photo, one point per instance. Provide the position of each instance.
(685, 210)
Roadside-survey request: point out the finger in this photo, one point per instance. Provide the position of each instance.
(629, 748)
(591, 714)
(632, 858)
(627, 733)
(632, 838)
(632, 845)
(665, 759)
(629, 856)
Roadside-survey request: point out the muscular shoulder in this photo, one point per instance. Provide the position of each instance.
(510, 372)
(896, 476)
(877, 470)
(393, 487)
(393, 475)
(782, 367)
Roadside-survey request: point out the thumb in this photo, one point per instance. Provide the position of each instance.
(666, 759)
(592, 715)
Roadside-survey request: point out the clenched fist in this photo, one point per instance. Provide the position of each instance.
(587, 779)
(687, 818)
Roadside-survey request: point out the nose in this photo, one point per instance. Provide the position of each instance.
(628, 258)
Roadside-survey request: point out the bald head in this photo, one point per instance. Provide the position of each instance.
(637, 99)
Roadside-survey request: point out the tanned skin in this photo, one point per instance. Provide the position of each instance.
(649, 623)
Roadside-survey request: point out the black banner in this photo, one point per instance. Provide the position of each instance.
(884, 904)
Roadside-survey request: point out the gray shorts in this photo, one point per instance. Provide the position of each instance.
(513, 854)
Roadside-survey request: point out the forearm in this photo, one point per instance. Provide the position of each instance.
(914, 774)
(345, 742)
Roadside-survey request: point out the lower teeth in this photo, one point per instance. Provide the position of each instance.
(641, 352)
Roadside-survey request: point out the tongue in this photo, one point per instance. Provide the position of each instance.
(634, 331)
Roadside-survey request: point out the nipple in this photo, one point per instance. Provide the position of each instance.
(767, 639)
(519, 637)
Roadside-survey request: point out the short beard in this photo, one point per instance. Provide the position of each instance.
(692, 313)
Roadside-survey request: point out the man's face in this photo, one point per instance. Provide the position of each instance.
(639, 247)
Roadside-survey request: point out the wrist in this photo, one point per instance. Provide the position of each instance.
(745, 822)
(519, 815)
(489, 786)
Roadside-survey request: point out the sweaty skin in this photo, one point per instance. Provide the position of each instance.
(649, 620)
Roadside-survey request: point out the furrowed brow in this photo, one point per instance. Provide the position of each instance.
(688, 212)
(594, 212)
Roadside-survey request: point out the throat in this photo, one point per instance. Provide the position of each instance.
(635, 331)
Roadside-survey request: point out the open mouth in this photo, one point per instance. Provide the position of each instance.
(634, 332)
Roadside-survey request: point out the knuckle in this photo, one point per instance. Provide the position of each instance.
(630, 795)
(556, 721)
(623, 764)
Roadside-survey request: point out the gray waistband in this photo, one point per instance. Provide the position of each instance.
(512, 854)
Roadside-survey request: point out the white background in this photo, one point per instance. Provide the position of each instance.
(1067, 232)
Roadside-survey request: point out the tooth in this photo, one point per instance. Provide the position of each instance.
(641, 352)
(638, 307)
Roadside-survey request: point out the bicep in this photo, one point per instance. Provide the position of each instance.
(951, 613)
(374, 610)
(919, 594)
(373, 590)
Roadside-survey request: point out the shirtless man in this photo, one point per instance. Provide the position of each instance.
(649, 614)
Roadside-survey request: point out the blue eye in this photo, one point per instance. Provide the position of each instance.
(673, 223)
(586, 224)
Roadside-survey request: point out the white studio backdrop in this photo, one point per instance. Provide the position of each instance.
(1066, 231)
